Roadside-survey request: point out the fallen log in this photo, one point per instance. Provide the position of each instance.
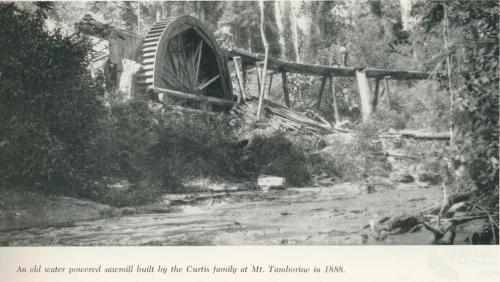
(441, 136)
(453, 200)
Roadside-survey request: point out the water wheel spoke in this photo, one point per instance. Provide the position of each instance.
(204, 84)
(174, 84)
(172, 62)
(173, 75)
(198, 59)
(189, 75)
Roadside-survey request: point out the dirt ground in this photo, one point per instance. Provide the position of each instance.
(335, 215)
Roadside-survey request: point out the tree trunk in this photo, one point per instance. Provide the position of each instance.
(281, 29)
(138, 17)
(266, 54)
(295, 32)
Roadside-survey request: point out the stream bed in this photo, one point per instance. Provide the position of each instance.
(336, 215)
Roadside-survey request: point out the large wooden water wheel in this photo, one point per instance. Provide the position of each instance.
(180, 54)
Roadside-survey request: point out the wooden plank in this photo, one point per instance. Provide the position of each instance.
(321, 89)
(364, 94)
(321, 70)
(190, 96)
(334, 100)
(285, 89)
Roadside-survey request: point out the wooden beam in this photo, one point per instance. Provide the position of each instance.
(375, 94)
(190, 96)
(364, 94)
(334, 99)
(188, 110)
(285, 88)
(321, 89)
(321, 70)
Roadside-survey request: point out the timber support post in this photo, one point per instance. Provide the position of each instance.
(321, 89)
(375, 94)
(266, 95)
(285, 89)
(364, 94)
(244, 70)
(334, 99)
(239, 77)
(262, 73)
(259, 75)
(386, 86)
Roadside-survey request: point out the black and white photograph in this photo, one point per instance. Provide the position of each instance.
(249, 123)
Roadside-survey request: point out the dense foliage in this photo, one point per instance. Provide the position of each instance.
(48, 103)
(475, 80)
(477, 117)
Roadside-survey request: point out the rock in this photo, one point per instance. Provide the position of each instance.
(268, 182)
(428, 173)
(404, 222)
(430, 177)
(423, 184)
(325, 182)
(128, 211)
(161, 210)
(456, 210)
(402, 177)
(336, 138)
(367, 187)
(457, 207)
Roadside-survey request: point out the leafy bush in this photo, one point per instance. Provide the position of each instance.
(125, 134)
(276, 155)
(338, 160)
(48, 103)
(191, 147)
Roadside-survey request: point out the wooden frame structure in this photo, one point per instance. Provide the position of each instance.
(369, 101)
